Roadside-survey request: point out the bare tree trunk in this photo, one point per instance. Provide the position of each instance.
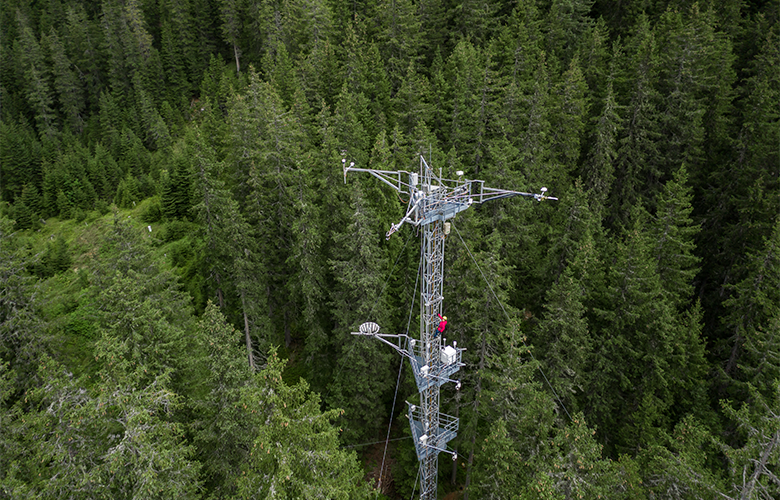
(760, 469)
(287, 336)
(247, 337)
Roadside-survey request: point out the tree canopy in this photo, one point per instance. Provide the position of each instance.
(181, 260)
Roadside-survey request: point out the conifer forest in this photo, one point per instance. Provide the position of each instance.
(182, 261)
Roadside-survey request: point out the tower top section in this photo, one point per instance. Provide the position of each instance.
(435, 198)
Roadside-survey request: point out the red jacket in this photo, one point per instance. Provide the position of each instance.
(442, 324)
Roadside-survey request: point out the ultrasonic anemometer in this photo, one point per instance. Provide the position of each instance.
(432, 201)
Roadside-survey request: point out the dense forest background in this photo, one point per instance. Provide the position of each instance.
(181, 261)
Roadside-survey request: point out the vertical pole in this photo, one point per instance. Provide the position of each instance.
(431, 292)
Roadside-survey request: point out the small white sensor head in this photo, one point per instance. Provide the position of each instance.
(459, 173)
(544, 190)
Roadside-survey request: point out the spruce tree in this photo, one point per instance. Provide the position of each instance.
(228, 255)
(751, 347)
(568, 118)
(102, 438)
(566, 23)
(674, 234)
(223, 430)
(267, 142)
(638, 157)
(354, 299)
(628, 391)
(738, 213)
(680, 462)
(468, 74)
(22, 335)
(598, 171)
(571, 465)
(66, 84)
(753, 467)
(37, 78)
(399, 37)
(176, 190)
(81, 35)
(25, 212)
(411, 102)
(20, 155)
(564, 338)
(295, 447)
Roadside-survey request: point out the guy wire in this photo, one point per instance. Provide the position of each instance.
(510, 320)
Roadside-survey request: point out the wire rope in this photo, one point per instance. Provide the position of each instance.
(539, 365)
(349, 447)
(398, 381)
(415, 481)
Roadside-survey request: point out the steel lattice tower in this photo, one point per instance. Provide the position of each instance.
(432, 201)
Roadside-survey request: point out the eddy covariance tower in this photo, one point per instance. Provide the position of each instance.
(432, 201)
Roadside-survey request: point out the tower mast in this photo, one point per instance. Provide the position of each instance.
(432, 201)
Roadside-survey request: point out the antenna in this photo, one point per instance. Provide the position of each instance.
(432, 201)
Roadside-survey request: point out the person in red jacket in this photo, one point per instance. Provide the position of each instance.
(442, 325)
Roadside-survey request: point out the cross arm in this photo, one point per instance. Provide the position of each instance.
(371, 329)
(392, 178)
(478, 193)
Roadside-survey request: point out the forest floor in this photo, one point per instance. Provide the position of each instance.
(372, 463)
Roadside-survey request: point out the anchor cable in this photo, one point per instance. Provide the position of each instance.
(398, 381)
(538, 364)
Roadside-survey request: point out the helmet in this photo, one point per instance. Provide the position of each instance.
(444, 318)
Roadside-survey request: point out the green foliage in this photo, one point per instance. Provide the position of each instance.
(751, 320)
(269, 437)
(152, 211)
(175, 197)
(674, 233)
(296, 452)
(127, 194)
(20, 319)
(20, 155)
(667, 111)
(55, 259)
(357, 287)
(27, 207)
(753, 466)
